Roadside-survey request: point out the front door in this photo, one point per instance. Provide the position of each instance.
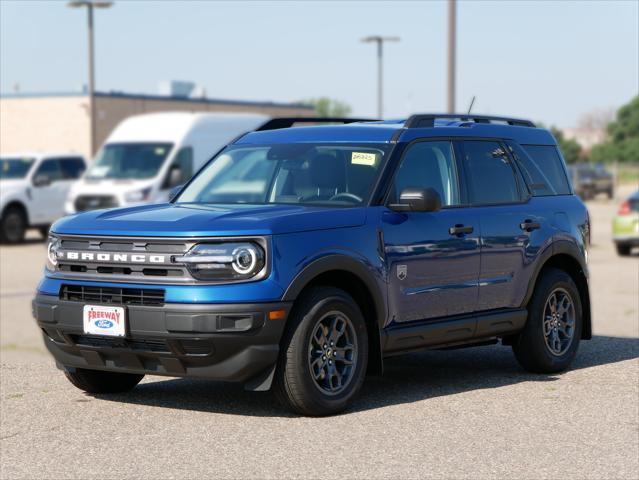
(433, 258)
(47, 199)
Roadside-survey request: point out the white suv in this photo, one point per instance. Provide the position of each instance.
(33, 189)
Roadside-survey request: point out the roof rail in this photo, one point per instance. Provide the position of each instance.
(286, 122)
(428, 119)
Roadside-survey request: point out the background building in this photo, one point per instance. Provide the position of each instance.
(586, 137)
(61, 122)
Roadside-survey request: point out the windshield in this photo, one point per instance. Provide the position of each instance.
(129, 160)
(12, 168)
(334, 175)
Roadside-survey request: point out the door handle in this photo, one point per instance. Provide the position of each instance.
(460, 229)
(529, 225)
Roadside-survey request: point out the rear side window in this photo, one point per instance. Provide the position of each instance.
(72, 167)
(544, 168)
(490, 174)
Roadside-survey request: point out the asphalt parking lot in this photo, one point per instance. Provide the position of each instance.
(470, 413)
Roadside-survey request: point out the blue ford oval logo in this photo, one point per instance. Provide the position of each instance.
(103, 323)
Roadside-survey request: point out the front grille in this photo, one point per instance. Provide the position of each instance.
(110, 259)
(110, 295)
(157, 346)
(94, 202)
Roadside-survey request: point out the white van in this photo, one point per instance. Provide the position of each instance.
(33, 189)
(148, 155)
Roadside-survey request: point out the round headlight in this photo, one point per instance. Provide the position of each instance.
(244, 259)
(223, 261)
(52, 253)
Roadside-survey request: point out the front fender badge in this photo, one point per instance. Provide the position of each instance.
(402, 271)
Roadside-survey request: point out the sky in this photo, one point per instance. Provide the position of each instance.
(552, 62)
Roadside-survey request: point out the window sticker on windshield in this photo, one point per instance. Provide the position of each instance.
(362, 158)
(159, 151)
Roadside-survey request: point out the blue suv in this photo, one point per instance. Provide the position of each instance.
(299, 258)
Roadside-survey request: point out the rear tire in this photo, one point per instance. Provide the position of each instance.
(549, 341)
(13, 225)
(96, 381)
(321, 370)
(623, 250)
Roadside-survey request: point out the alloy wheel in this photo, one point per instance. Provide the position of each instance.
(559, 321)
(332, 353)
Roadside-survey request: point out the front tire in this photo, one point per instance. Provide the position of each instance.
(549, 341)
(97, 381)
(324, 353)
(13, 225)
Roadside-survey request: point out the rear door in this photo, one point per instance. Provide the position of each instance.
(432, 257)
(514, 229)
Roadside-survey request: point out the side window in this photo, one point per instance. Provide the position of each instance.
(491, 176)
(72, 167)
(546, 168)
(184, 164)
(428, 164)
(50, 168)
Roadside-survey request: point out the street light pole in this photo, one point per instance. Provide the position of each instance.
(379, 40)
(90, 5)
(452, 27)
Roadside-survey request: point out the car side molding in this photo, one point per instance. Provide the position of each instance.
(401, 338)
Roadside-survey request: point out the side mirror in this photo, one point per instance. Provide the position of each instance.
(41, 180)
(174, 191)
(175, 177)
(416, 199)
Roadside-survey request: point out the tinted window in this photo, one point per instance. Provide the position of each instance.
(72, 168)
(15, 167)
(51, 169)
(546, 169)
(428, 164)
(303, 173)
(491, 177)
(184, 163)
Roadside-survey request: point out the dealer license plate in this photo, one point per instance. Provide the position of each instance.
(102, 320)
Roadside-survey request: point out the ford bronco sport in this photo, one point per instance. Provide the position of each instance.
(299, 258)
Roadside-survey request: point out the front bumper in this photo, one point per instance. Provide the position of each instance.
(632, 241)
(230, 342)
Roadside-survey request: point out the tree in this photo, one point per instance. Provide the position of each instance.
(622, 144)
(328, 107)
(570, 149)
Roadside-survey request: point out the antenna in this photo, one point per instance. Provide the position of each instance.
(470, 107)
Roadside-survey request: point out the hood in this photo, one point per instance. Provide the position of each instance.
(188, 220)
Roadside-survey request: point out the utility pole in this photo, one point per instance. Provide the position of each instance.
(90, 5)
(452, 32)
(379, 40)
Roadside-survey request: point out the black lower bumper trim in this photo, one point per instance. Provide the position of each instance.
(223, 342)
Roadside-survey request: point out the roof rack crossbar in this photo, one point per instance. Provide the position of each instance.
(428, 119)
(286, 122)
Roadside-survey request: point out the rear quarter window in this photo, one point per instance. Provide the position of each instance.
(544, 170)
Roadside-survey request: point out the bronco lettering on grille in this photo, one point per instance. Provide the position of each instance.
(113, 257)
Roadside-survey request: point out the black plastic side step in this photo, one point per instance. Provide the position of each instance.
(434, 332)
